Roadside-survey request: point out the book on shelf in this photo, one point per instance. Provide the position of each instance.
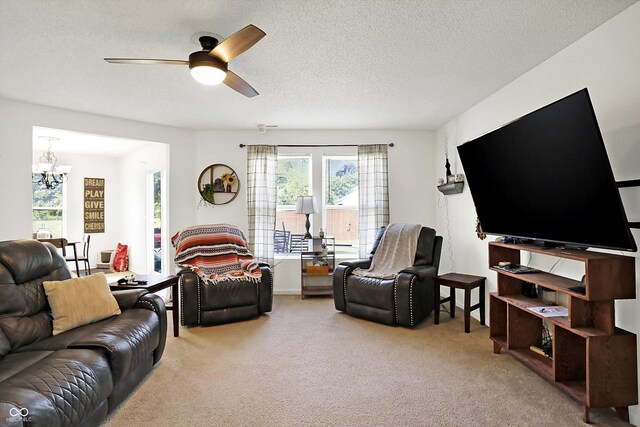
(550, 310)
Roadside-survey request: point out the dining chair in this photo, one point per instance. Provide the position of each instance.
(84, 256)
(59, 243)
(298, 243)
(281, 241)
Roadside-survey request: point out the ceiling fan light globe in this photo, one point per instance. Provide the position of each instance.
(208, 75)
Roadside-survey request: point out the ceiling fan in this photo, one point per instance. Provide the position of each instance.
(209, 65)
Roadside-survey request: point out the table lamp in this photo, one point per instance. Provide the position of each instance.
(306, 205)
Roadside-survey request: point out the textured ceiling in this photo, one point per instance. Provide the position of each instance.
(342, 64)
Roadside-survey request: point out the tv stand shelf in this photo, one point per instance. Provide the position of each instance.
(612, 276)
(593, 361)
(547, 280)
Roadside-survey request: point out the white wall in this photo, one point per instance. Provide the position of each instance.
(16, 129)
(411, 195)
(134, 197)
(607, 62)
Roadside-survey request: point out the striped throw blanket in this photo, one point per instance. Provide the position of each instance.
(216, 253)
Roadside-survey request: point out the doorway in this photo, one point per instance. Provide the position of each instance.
(125, 165)
(156, 221)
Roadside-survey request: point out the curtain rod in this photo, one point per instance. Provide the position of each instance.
(320, 145)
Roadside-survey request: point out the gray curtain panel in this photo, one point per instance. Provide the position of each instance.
(373, 190)
(262, 161)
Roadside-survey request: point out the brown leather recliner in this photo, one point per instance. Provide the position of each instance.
(405, 300)
(228, 301)
(76, 377)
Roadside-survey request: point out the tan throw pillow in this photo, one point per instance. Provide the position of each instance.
(79, 301)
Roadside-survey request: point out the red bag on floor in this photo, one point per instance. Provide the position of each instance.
(121, 258)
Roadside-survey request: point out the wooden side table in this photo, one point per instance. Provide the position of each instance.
(459, 281)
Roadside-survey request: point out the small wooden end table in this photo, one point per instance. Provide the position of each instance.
(155, 284)
(459, 281)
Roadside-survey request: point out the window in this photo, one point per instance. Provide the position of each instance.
(48, 211)
(293, 180)
(333, 179)
(340, 207)
(156, 220)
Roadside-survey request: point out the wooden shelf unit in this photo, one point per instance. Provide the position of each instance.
(593, 361)
(319, 248)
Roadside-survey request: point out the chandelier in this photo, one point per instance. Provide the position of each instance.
(47, 172)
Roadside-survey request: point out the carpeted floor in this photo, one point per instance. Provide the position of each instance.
(307, 364)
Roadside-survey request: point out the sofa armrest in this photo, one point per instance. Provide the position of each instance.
(414, 294)
(130, 337)
(128, 298)
(189, 298)
(358, 263)
(422, 271)
(265, 302)
(340, 275)
(155, 303)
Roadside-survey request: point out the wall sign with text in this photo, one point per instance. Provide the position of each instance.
(94, 205)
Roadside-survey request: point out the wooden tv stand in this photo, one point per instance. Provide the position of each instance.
(593, 361)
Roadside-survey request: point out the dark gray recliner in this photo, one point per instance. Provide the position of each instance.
(405, 300)
(228, 301)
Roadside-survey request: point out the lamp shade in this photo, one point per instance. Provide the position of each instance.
(45, 167)
(63, 169)
(306, 205)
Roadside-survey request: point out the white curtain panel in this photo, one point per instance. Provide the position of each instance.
(373, 190)
(262, 161)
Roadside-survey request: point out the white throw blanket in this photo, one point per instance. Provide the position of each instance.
(397, 250)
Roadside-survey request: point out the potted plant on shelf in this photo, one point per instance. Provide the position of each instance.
(207, 193)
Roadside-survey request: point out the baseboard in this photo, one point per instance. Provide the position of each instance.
(287, 292)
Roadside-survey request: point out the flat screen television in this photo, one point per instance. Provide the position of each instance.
(546, 176)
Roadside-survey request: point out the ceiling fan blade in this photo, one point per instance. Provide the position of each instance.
(236, 83)
(237, 43)
(146, 61)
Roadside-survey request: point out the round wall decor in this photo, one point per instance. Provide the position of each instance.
(218, 184)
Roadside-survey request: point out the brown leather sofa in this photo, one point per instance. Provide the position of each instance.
(228, 301)
(405, 300)
(76, 377)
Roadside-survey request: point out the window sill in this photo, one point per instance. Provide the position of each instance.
(296, 256)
